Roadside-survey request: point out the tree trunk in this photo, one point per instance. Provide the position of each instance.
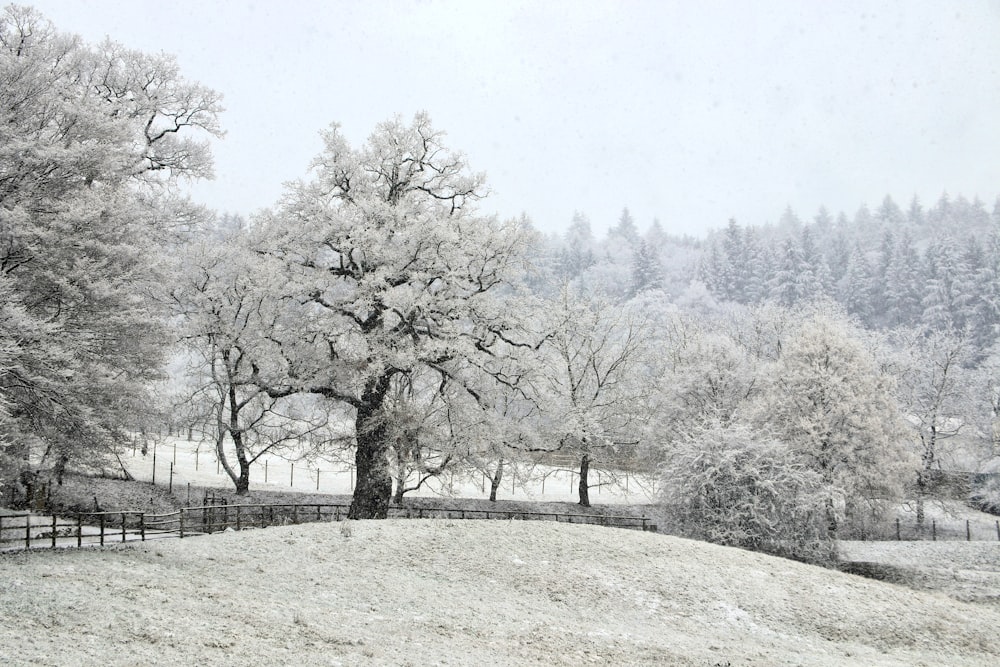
(242, 480)
(584, 486)
(495, 482)
(397, 495)
(373, 488)
(923, 476)
(921, 494)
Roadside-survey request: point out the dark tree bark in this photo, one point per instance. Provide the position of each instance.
(584, 486)
(374, 483)
(495, 482)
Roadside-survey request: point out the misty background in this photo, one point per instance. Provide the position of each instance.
(690, 113)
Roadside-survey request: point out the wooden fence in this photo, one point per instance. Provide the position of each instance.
(935, 530)
(33, 531)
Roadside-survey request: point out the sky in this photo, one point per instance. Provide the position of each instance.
(687, 112)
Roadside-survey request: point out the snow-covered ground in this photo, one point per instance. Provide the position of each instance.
(195, 463)
(466, 593)
(967, 571)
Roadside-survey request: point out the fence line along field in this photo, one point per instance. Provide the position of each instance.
(177, 461)
(34, 531)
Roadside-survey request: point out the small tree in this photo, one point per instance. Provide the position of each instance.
(938, 396)
(594, 386)
(223, 316)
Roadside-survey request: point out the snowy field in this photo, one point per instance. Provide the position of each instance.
(466, 593)
(195, 463)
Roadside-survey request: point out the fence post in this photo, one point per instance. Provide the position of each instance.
(934, 530)
(175, 452)
(27, 530)
(142, 526)
(180, 523)
(170, 484)
(102, 530)
(317, 479)
(238, 518)
(154, 464)
(53, 531)
(79, 530)
(295, 513)
(897, 530)
(968, 531)
(291, 478)
(123, 527)
(197, 451)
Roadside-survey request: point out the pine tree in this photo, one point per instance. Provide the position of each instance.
(577, 255)
(647, 273)
(903, 293)
(942, 265)
(625, 230)
(856, 286)
(889, 214)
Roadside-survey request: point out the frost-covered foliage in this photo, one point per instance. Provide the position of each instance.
(734, 485)
(89, 138)
(827, 400)
(817, 402)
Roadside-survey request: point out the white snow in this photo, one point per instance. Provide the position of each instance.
(416, 592)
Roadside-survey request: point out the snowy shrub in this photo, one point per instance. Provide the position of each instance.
(730, 486)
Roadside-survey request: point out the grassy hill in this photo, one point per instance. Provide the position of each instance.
(466, 593)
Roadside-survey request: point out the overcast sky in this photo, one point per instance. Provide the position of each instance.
(690, 112)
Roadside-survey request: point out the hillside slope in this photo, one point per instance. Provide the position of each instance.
(466, 593)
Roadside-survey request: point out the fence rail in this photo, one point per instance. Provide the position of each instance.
(35, 531)
(934, 531)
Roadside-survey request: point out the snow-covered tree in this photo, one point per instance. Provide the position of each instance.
(91, 137)
(386, 271)
(736, 485)
(593, 384)
(222, 316)
(938, 397)
(647, 274)
(577, 255)
(826, 398)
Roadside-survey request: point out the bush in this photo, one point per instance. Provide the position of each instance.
(727, 486)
